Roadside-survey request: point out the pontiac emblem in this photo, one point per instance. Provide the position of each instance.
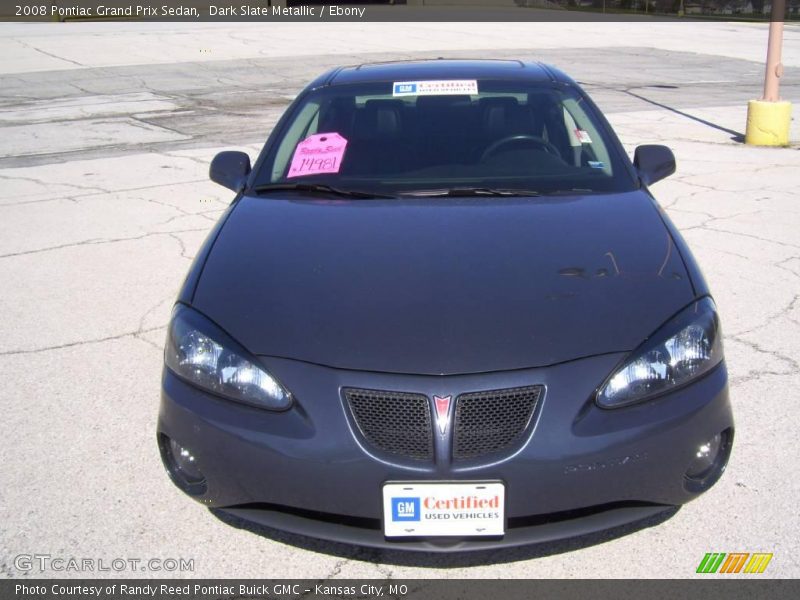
(442, 404)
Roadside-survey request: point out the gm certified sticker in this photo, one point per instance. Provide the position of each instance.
(435, 88)
(443, 509)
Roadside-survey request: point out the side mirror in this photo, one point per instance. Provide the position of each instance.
(230, 169)
(653, 162)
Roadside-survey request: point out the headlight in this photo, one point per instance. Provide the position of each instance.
(686, 347)
(201, 353)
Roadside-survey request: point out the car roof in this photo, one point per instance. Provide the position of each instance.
(421, 70)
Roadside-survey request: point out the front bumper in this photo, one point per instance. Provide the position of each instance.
(582, 468)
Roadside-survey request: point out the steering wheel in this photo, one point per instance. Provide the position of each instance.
(534, 139)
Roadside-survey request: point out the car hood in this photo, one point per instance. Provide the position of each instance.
(442, 286)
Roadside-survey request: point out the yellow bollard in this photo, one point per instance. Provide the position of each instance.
(768, 119)
(768, 123)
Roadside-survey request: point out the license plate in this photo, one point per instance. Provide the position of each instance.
(443, 509)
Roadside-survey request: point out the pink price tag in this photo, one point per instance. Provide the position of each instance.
(320, 153)
(583, 136)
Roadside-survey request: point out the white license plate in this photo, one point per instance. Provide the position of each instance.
(443, 509)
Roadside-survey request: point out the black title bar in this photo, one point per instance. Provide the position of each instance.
(395, 10)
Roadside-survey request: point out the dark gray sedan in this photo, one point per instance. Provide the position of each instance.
(444, 312)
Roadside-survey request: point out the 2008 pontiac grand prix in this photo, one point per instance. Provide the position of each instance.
(444, 312)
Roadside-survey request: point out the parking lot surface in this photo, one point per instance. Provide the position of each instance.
(106, 133)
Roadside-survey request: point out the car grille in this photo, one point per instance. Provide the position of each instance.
(487, 422)
(400, 423)
(395, 422)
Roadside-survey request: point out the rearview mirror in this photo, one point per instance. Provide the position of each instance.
(230, 169)
(653, 163)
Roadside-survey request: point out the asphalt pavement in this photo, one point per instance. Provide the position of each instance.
(106, 132)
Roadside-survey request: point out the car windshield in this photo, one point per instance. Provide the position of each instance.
(444, 138)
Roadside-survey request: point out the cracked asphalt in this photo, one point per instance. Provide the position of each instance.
(106, 132)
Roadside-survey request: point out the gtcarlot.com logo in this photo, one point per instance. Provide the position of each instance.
(734, 562)
(43, 563)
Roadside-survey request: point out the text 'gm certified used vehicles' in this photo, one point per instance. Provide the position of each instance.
(444, 312)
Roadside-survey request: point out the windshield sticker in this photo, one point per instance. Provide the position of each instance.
(596, 164)
(320, 153)
(583, 136)
(435, 88)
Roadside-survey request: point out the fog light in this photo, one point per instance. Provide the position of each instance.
(709, 461)
(182, 466)
(185, 462)
(705, 457)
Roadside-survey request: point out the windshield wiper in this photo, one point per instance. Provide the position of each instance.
(471, 191)
(316, 188)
